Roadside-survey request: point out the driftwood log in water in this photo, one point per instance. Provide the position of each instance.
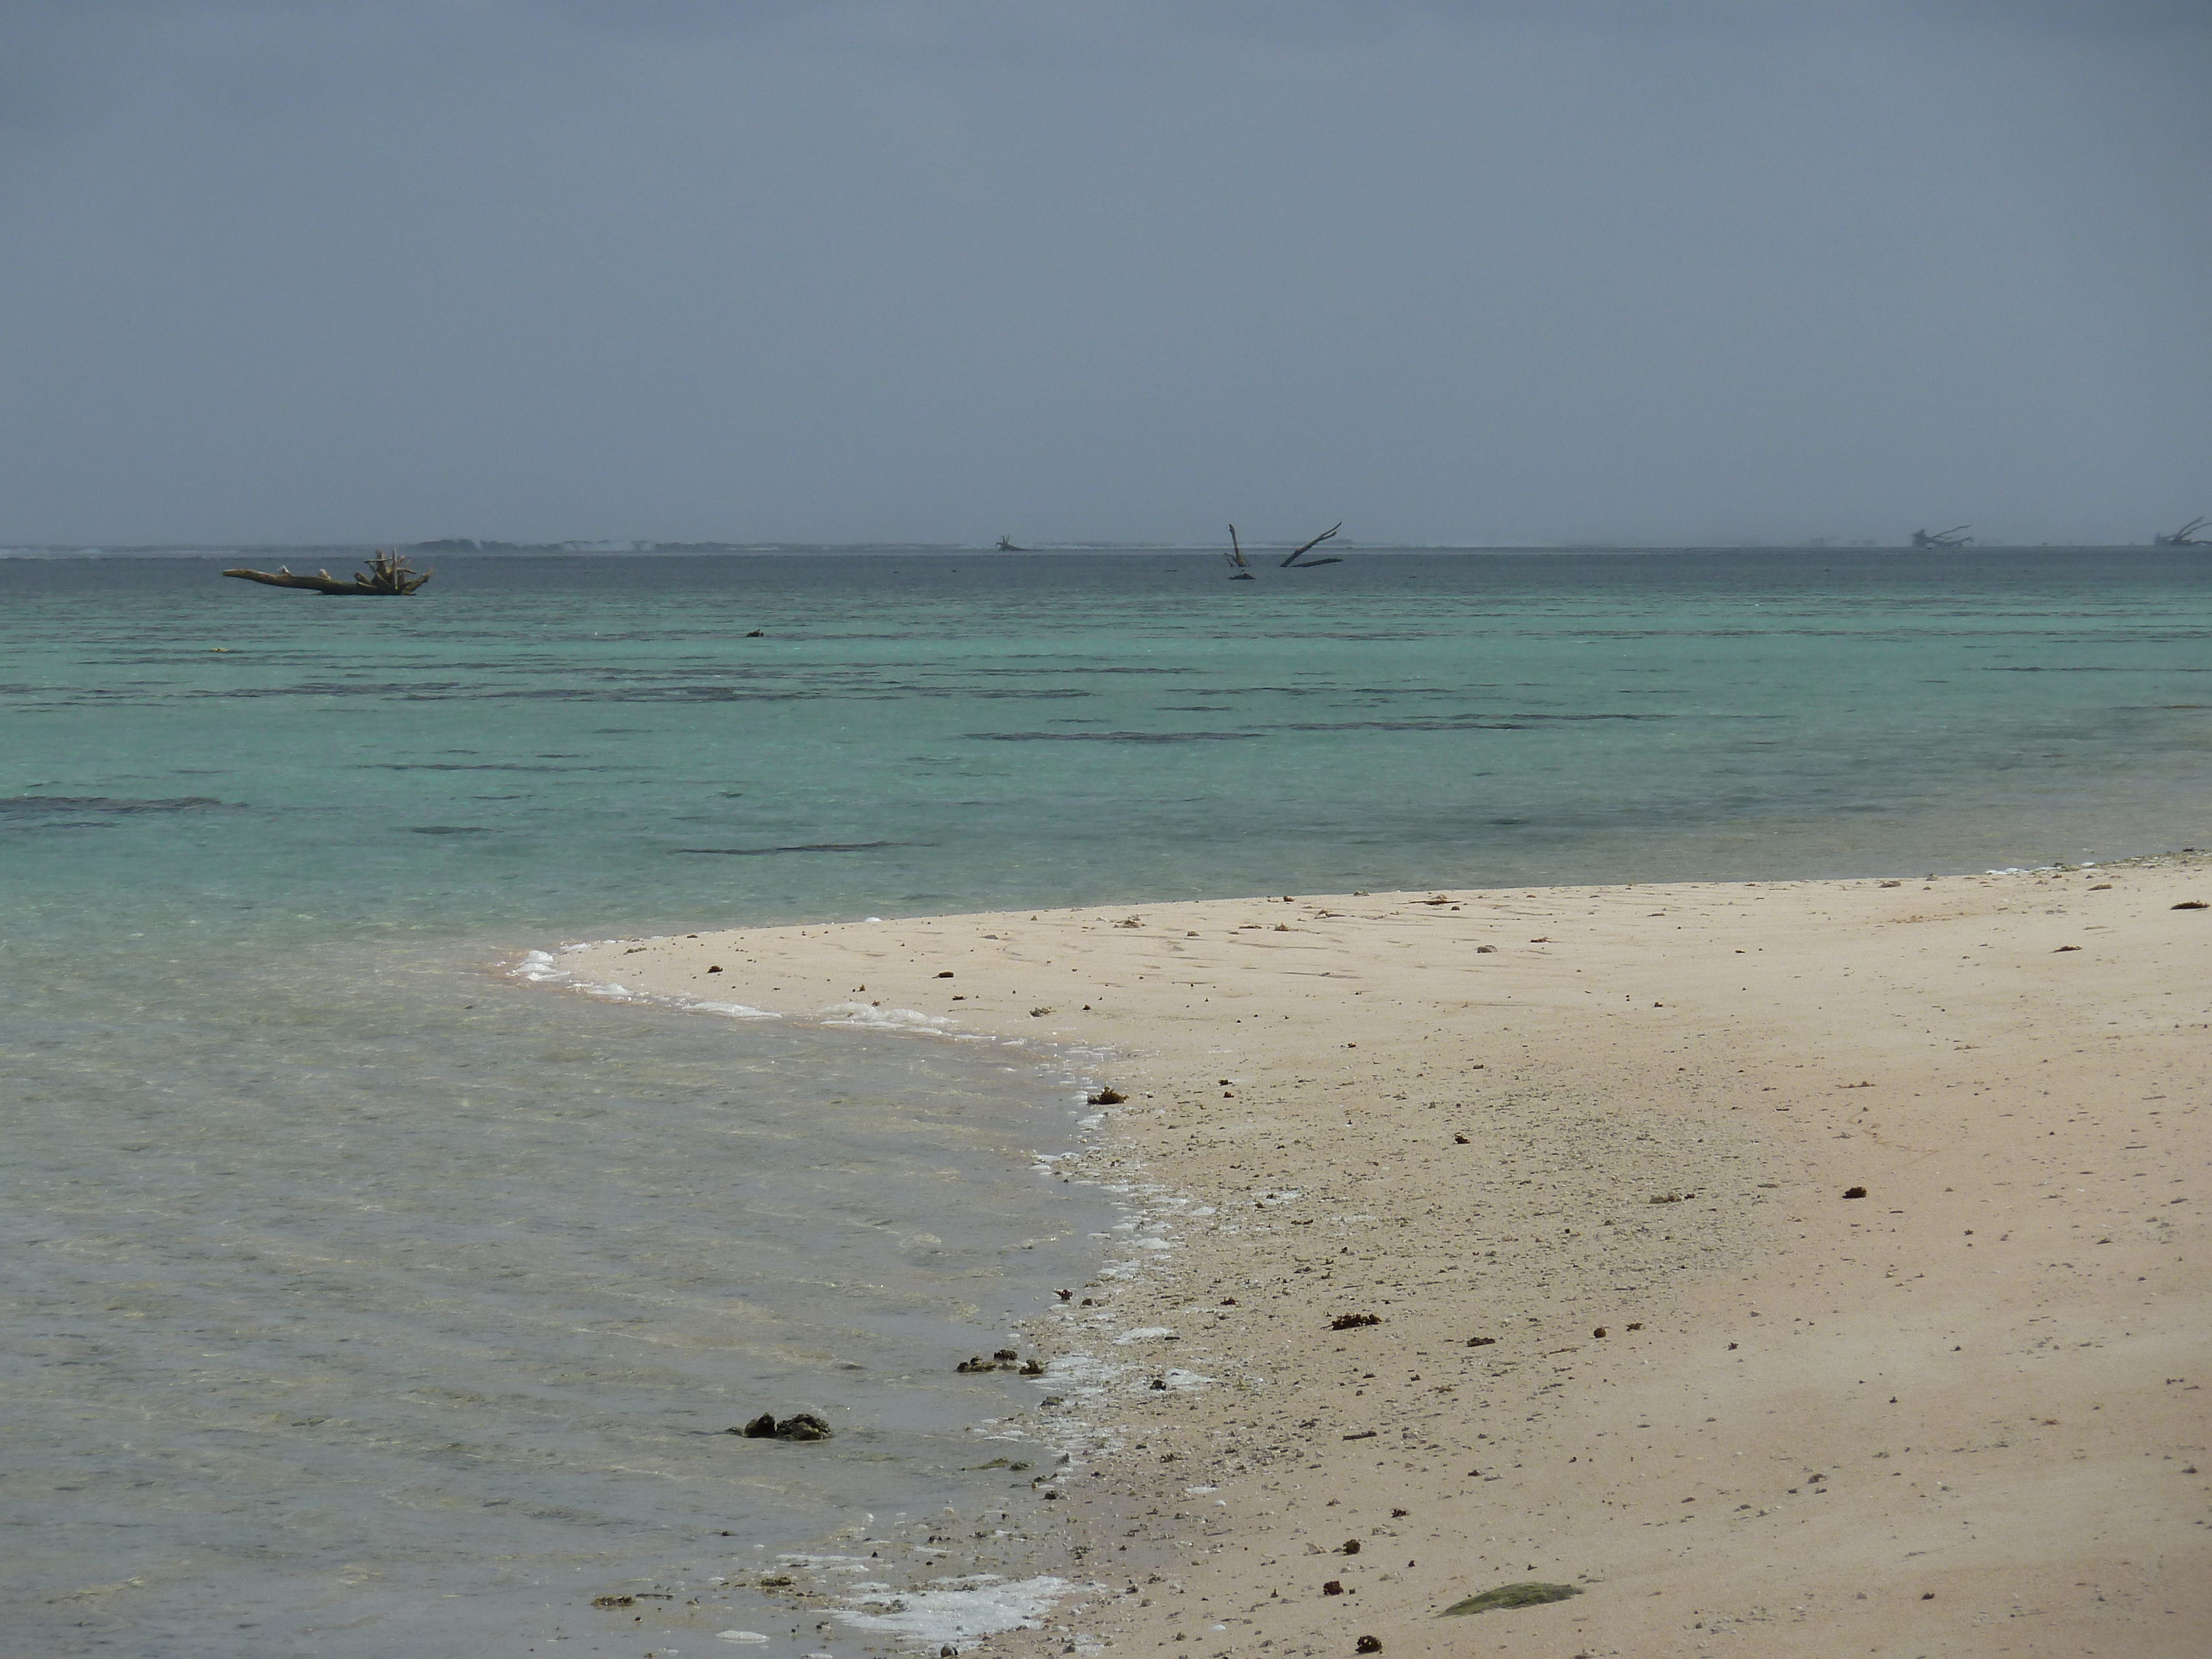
(1292, 562)
(387, 572)
(1944, 540)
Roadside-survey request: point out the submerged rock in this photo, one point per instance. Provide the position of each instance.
(799, 1425)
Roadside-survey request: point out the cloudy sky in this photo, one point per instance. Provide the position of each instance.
(1450, 271)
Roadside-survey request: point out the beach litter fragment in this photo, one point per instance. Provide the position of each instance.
(1855, 1192)
(1529, 1594)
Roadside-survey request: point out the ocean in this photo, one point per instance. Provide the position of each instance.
(368, 1299)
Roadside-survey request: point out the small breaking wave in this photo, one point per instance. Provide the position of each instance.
(867, 1015)
(964, 1610)
(544, 968)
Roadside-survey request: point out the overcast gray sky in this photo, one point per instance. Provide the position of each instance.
(1652, 270)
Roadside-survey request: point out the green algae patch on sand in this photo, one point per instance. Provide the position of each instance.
(1529, 1594)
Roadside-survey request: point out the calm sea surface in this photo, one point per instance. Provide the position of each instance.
(362, 1301)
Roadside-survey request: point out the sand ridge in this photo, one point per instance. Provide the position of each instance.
(1962, 1414)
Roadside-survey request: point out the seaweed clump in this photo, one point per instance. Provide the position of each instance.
(1529, 1594)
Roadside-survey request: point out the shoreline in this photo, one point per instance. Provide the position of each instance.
(1520, 1119)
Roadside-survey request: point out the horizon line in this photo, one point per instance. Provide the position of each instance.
(621, 548)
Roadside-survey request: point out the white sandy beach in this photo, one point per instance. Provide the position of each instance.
(1608, 1135)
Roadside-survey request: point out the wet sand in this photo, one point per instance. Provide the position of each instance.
(1585, 1158)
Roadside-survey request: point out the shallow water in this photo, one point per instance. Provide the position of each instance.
(367, 1302)
(397, 1282)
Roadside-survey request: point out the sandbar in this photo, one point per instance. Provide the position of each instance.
(1793, 1268)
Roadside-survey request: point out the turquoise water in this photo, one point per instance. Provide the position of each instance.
(367, 1301)
(552, 745)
